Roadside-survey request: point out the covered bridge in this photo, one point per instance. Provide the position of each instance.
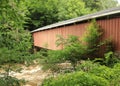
(108, 20)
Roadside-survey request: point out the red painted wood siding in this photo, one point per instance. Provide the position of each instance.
(111, 29)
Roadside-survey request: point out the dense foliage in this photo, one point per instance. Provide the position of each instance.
(28, 14)
(96, 5)
(45, 12)
(76, 79)
(111, 74)
(15, 42)
(17, 17)
(71, 9)
(10, 81)
(88, 74)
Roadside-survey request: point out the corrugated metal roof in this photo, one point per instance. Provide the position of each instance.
(81, 18)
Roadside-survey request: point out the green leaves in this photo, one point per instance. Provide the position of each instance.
(96, 5)
(15, 42)
(92, 39)
(13, 14)
(71, 9)
(9, 81)
(110, 4)
(76, 79)
(93, 75)
(42, 12)
(45, 12)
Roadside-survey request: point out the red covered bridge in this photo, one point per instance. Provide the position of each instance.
(108, 20)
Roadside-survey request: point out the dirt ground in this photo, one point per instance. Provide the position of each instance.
(34, 75)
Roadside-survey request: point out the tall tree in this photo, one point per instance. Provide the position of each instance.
(105, 4)
(42, 12)
(92, 4)
(13, 37)
(45, 12)
(97, 5)
(71, 9)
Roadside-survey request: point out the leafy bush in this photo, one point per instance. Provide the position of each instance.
(9, 56)
(103, 71)
(92, 39)
(72, 52)
(117, 66)
(71, 39)
(52, 59)
(116, 79)
(96, 69)
(10, 81)
(111, 74)
(76, 79)
(55, 56)
(86, 66)
(110, 59)
(13, 56)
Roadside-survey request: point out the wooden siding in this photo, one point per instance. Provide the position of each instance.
(111, 30)
(47, 38)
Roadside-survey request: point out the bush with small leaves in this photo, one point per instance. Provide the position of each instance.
(86, 66)
(76, 79)
(111, 74)
(10, 81)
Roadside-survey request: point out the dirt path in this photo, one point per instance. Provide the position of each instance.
(34, 75)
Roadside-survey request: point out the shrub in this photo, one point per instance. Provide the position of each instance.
(103, 71)
(10, 81)
(92, 39)
(116, 79)
(96, 69)
(13, 56)
(110, 59)
(116, 66)
(51, 61)
(76, 79)
(71, 39)
(55, 56)
(111, 74)
(72, 52)
(86, 66)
